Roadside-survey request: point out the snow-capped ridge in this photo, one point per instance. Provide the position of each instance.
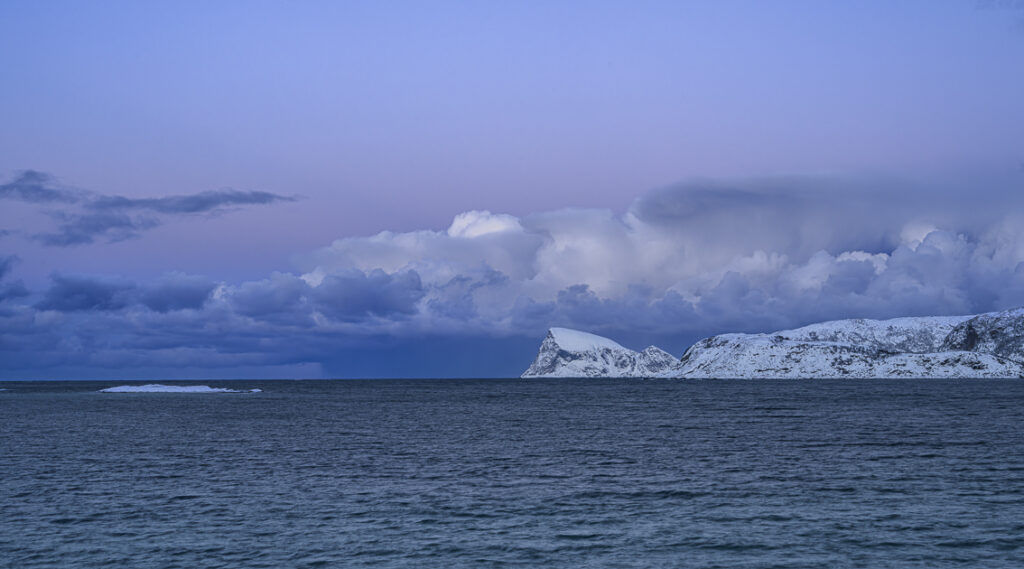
(983, 345)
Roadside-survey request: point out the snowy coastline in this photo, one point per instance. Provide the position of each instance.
(986, 345)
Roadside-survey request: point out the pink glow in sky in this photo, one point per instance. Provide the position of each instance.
(568, 118)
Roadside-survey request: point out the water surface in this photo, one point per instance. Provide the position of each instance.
(515, 473)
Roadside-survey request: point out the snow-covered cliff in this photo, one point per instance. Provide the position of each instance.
(570, 353)
(986, 345)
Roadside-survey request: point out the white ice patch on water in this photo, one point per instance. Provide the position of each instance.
(158, 388)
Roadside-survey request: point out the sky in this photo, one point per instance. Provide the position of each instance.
(421, 189)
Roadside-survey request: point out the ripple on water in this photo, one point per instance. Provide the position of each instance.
(517, 474)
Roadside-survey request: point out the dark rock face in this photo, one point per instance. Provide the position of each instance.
(997, 333)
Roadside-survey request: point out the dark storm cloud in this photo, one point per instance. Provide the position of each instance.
(83, 293)
(84, 217)
(71, 293)
(355, 295)
(351, 296)
(6, 264)
(10, 290)
(177, 292)
(455, 299)
(92, 323)
(281, 299)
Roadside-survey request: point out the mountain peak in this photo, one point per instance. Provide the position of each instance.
(572, 353)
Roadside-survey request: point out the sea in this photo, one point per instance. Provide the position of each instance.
(514, 473)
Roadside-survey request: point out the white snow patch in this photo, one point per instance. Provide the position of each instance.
(576, 341)
(158, 388)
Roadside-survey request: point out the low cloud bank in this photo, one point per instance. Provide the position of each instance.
(680, 264)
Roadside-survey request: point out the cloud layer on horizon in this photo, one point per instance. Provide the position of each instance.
(682, 263)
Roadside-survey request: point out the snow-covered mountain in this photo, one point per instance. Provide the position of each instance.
(986, 345)
(570, 353)
(904, 347)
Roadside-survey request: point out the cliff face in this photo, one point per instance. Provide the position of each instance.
(986, 345)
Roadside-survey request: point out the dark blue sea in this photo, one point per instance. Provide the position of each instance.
(515, 473)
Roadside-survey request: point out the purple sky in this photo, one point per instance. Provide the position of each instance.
(207, 178)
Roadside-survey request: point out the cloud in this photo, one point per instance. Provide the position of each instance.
(85, 293)
(714, 256)
(281, 299)
(83, 217)
(10, 290)
(78, 229)
(36, 187)
(13, 291)
(679, 264)
(354, 295)
(349, 296)
(477, 223)
(71, 293)
(714, 221)
(6, 264)
(177, 291)
(202, 202)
